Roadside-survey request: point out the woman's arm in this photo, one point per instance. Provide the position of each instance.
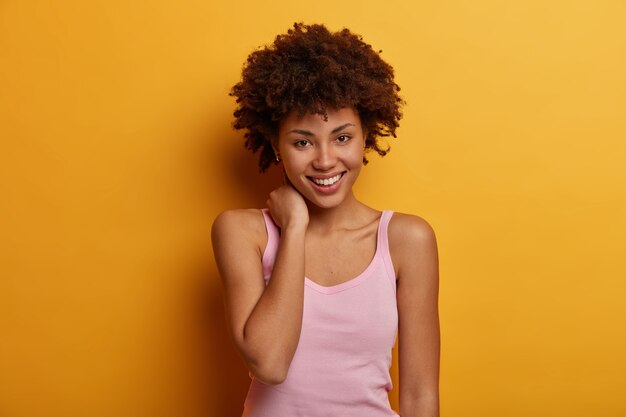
(265, 321)
(414, 252)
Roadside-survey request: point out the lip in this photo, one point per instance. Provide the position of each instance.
(326, 176)
(326, 189)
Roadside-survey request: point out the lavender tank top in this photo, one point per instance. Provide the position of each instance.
(341, 365)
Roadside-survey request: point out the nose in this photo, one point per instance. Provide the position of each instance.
(325, 158)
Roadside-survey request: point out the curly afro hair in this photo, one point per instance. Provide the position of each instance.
(310, 69)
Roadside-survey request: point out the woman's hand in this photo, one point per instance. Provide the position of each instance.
(287, 207)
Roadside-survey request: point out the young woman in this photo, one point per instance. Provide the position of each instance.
(318, 285)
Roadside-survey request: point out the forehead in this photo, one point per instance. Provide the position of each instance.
(316, 123)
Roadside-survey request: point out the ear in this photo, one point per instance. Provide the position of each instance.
(365, 133)
(274, 142)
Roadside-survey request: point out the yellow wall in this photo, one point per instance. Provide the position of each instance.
(117, 153)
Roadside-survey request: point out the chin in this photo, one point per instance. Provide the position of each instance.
(325, 203)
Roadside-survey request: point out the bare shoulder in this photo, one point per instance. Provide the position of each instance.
(411, 239)
(410, 229)
(239, 219)
(240, 225)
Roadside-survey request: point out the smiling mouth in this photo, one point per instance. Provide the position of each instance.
(326, 182)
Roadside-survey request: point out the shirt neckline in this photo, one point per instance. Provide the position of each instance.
(352, 282)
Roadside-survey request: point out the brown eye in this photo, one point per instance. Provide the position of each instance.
(302, 143)
(343, 138)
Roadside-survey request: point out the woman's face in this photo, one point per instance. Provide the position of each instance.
(322, 159)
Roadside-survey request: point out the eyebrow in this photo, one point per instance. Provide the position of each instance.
(309, 133)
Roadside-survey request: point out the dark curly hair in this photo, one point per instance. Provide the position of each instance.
(310, 69)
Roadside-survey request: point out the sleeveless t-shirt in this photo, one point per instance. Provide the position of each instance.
(341, 365)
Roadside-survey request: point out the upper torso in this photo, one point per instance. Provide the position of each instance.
(341, 365)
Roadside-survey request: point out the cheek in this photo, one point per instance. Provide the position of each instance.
(293, 162)
(355, 159)
(294, 169)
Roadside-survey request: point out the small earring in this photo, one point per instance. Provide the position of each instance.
(277, 158)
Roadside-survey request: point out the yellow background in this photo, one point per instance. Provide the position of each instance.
(117, 154)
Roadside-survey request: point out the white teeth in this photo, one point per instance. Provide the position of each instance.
(327, 181)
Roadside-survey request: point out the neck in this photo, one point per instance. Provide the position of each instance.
(345, 215)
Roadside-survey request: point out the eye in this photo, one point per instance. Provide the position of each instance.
(302, 143)
(343, 138)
